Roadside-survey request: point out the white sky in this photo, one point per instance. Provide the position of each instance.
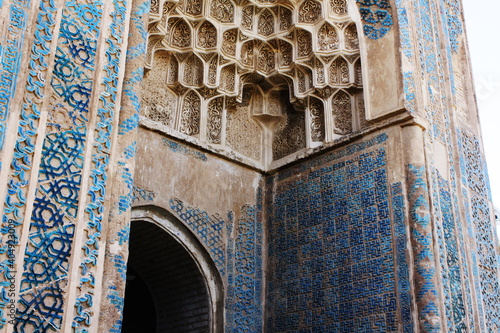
(483, 29)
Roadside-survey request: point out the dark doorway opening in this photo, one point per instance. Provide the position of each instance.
(165, 291)
(139, 312)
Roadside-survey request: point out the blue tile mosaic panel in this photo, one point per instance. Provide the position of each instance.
(403, 271)
(41, 309)
(98, 178)
(376, 16)
(440, 35)
(46, 261)
(243, 302)
(474, 256)
(476, 193)
(453, 21)
(209, 229)
(333, 266)
(452, 275)
(22, 161)
(236, 248)
(10, 59)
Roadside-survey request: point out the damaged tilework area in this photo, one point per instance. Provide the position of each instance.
(209, 229)
(181, 149)
(376, 16)
(239, 259)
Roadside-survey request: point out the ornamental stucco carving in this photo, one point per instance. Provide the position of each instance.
(207, 59)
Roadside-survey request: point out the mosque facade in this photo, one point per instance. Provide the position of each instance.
(242, 166)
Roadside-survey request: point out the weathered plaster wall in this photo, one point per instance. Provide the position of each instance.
(173, 169)
(220, 202)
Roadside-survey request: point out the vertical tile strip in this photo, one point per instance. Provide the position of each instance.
(118, 223)
(51, 230)
(20, 173)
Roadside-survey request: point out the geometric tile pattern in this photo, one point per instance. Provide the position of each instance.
(472, 164)
(67, 73)
(208, 228)
(244, 290)
(118, 43)
(425, 43)
(40, 311)
(408, 50)
(98, 180)
(461, 271)
(337, 232)
(140, 194)
(475, 179)
(22, 160)
(64, 191)
(453, 21)
(46, 260)
(47, 257)
(403, 274)
(376, 16)
(451, 274)
(332, 264)
(237, 255)
(432, 19)
(62, 154)
(474, 267)
(10, 63)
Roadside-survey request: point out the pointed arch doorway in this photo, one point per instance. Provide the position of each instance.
(172, 283)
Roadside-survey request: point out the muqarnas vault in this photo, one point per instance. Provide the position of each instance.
(242, 166)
